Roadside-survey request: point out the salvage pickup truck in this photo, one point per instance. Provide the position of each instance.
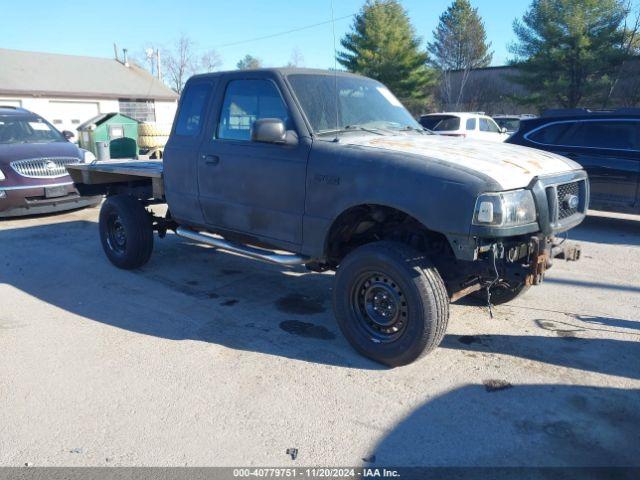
(330, 171)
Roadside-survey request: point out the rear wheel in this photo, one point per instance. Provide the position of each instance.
(126, 232)
(390, 302)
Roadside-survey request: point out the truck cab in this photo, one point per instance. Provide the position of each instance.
(330, 171)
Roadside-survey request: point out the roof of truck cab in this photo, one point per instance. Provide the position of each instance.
(284, 71)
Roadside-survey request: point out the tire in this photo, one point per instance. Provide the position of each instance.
(126, 232)
(150, 141)
(153, 129)
(500, 294)
(393, 279)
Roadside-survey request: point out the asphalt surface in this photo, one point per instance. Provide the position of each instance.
(203, 358)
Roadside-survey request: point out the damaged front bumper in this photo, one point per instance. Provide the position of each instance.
(521, 255)
(561, 204)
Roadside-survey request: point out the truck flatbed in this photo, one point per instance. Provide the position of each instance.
(119, 171)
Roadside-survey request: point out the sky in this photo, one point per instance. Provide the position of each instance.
(230, 27)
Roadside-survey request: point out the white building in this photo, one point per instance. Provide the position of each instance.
(68, 89)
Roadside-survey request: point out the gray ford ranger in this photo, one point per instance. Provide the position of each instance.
(330, 171)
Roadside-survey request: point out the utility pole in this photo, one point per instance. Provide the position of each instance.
(159, 70)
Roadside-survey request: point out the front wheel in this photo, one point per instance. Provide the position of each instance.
(390, 302)
(126, 232)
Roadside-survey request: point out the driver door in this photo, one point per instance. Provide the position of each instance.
(248, 187)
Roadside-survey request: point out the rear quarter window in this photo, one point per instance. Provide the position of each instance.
(193, 107)
(616, 135)
(447, 124)
(603, 134)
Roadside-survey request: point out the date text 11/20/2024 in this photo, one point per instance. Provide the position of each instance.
(316, 472)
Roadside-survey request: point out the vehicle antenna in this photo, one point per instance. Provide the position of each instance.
(335, 72)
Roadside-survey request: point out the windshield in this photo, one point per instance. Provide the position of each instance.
(511, 124)
(27, 130)
(430, 121)
(447, 124)
(361, 102)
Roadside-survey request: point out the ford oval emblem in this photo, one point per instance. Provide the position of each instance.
(571, 201)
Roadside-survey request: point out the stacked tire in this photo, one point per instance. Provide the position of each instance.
(153, 135)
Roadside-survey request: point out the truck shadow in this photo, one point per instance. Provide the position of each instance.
(192, 292)
(565, 349)
(186, 292)
(608, 229)
(516, 426)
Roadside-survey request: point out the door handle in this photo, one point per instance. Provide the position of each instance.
(211, 159)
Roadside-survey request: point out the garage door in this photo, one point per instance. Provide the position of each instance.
(69, 115)
(10, 103)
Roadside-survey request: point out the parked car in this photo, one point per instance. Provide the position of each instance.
(33, 156)
(259, 162)
(510, 123)
(467, 125)
(605, 143)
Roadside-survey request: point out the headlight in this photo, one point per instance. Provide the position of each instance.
(88, 156)
(505, 209)
(2, 177)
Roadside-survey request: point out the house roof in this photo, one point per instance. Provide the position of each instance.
(49, 74)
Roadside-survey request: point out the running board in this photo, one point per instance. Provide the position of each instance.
(252, 252)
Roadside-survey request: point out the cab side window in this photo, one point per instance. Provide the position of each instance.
(246, 101)
(471, 124)
(488, 125)
(192, 109)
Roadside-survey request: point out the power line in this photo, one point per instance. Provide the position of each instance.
(282, 33)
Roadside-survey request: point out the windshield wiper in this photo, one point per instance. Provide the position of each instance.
(351, 128)
(409, 128)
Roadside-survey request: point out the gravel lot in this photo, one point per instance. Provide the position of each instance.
(204, 358)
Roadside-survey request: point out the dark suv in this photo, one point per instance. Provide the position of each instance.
(605, 143)
(33, 156)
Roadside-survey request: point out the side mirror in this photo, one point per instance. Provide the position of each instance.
(503, 130)
(269, 130)
(68, 135)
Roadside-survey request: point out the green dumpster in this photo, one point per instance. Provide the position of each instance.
(119, 131)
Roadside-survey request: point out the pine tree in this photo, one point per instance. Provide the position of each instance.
(248, 62)
(459, 44)
(383, 45)
(460, 40)
(568, 50)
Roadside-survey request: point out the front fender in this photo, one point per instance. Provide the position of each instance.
(339, 177)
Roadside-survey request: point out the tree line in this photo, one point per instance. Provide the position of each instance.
(566, 53)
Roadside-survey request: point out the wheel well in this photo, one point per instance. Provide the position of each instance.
(369, 223)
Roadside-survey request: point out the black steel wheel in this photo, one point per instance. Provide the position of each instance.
(126, 232)
(390, 302)
(380, 306)
(116, 234)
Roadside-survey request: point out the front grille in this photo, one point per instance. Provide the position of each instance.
(564, 194)
(43, 167)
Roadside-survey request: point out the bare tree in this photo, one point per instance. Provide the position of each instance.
(210, 61)
(182, 61)
(179, 63)
(296, 59)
